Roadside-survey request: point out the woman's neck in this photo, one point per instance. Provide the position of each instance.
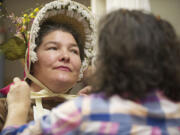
(36, 88)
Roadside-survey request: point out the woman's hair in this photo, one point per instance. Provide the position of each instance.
(138, 53)
(49, 26)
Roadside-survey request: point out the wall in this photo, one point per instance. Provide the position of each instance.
(169, 10)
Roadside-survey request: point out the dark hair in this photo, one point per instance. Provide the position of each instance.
(138, 53)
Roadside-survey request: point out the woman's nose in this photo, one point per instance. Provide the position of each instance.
(64, 56)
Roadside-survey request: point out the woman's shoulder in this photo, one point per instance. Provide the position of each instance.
(3, 107)
(3, 113)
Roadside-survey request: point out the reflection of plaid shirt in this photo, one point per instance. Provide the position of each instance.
(93, 115)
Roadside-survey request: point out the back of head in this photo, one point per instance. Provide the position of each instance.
(138, 53)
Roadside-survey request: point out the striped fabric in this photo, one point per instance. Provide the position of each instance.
(93, 115)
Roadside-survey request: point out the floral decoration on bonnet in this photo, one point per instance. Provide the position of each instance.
(15, 47)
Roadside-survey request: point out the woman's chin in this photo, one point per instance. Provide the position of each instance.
(66, 82)
(66, 78)
(61, 91)
(61, 83)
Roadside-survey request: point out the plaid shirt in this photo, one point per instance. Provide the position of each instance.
(94, 115)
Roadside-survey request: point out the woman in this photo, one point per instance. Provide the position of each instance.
(60, 49)
(138, 84)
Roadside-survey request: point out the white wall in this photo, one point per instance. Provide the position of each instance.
(98, 7)
(169, 10)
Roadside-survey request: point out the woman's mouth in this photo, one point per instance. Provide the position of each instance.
(64, 68)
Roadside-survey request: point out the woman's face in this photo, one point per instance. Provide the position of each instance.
(59, 62)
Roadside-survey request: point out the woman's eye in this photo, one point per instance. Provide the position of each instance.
(52, 48)
(75, 51)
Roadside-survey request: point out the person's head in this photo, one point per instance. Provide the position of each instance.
(61, 42)
(59, 53)
(138, 53)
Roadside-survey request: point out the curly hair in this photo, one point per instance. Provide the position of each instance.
(138, 53)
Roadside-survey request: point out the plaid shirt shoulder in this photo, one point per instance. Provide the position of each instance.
(155, 115)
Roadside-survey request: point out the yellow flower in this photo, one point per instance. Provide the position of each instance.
(24, 21)
(0, 3)
(31, 15)
(25, 15)
(36, 9)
